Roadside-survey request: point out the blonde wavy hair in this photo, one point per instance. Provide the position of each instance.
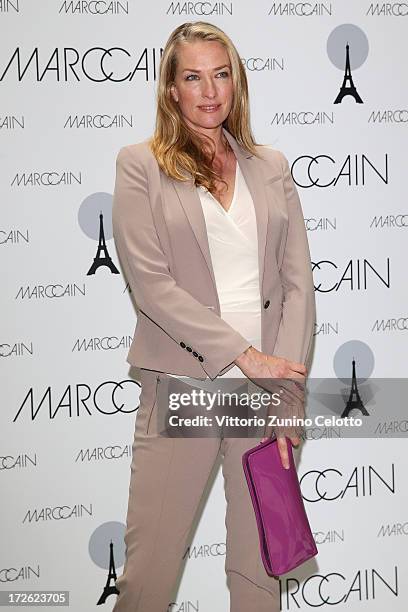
(177, 148)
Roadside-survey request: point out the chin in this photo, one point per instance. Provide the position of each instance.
(211, 121)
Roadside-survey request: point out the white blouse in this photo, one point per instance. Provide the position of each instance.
(233, 242)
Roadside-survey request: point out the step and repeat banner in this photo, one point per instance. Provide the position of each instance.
(328, 87)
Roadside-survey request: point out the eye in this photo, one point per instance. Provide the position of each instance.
(190, 75)
(224, 73)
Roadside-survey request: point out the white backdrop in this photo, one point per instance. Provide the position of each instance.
(77, 82)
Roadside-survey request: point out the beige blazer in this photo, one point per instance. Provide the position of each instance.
(160, 236)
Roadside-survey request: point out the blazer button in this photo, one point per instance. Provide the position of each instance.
(189, 349)
(182, 344)
(195, 353)
(267, 303)
(200, 358)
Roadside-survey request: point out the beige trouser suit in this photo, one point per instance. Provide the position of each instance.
(169, 475)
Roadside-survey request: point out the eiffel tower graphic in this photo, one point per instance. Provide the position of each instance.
(348, 88)
(354, 400)
(102, 257)
(109, 589)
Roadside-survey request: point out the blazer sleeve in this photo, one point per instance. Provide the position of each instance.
(296, 327)
(156, 292)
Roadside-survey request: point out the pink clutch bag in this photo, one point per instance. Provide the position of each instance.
(285, 536)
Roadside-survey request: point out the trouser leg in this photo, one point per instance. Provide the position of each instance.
(168, 477)
(246, 596)
(250, 586)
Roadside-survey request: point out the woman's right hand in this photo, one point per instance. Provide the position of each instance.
(257, 365)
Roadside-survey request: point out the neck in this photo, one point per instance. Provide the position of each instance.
(219, 140)
(221, 143)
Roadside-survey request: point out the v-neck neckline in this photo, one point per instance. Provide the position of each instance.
(234, 195)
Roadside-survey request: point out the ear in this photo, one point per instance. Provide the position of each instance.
(173, 91)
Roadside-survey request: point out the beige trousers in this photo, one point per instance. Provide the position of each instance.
(167, 481)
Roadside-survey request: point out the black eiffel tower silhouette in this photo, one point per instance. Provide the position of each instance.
(109, 589)
(354, 400)
(348, 88)
(104, 260)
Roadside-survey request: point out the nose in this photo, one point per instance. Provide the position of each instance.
(208, 88)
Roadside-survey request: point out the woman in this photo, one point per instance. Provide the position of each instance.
(210, 232)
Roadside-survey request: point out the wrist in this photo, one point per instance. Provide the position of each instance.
(246, 356)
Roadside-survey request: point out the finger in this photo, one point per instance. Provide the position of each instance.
(298, 367)
(296, 383)
(283, 451)
(295, 440)
(297, 377)
(291, 392)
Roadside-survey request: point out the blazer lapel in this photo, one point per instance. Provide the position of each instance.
(191, 204)
(190, 201)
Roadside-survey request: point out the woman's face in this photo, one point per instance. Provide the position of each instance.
(203, 86)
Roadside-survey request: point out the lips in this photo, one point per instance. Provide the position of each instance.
(209, 108)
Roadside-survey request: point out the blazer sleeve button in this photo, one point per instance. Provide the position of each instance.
(200, 358)
(189, 349)
(267, 303)
(182, 344)
(195, 353)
